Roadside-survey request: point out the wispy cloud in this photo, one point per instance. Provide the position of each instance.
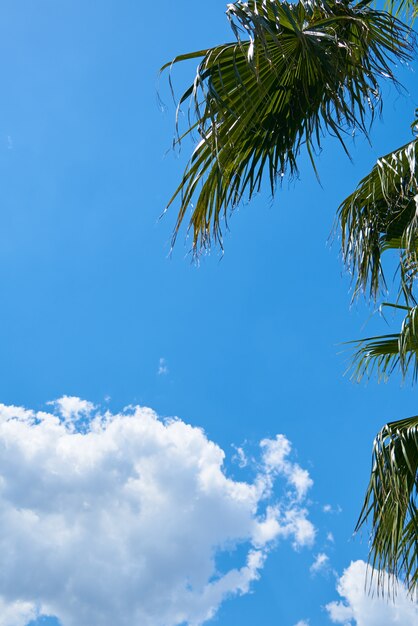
(240, 457)
(119, 518)
(328, 508)
(275, 457)
(162, 367)
(320, 564)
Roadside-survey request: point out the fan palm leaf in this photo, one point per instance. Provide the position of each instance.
(293, 72)
(385, 353)
(382, 214)
(391, 502)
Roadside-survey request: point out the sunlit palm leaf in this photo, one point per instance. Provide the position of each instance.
(409, 8)
(391, 502)
(382, 355)
(305, 68)
(382, 214)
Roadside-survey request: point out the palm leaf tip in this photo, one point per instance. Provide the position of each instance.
(385, 353)
(391, 502)
(293, 72)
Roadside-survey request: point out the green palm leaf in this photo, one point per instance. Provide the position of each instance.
(382, 214)
(385, 353)
(391, 502)
(407, 7)
(301, 70)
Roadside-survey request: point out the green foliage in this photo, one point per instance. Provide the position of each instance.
(391, 502)
(381, 214)
(385, 353)
(294, 72)
(407, 8)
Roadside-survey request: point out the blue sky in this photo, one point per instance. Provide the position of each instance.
(245, 346)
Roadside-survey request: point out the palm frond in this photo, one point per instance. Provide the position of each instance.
(385, 353)
(294, 72)
(408, 8)
(379, 215)
(391, 502)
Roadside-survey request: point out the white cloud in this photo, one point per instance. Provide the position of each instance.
(275, 457)
(320, 563)
(328, 508)
(162, 367)
(240, 457)
(72, 409)
(302, 622)
(363, 606)
(17, 613)
(119, 519)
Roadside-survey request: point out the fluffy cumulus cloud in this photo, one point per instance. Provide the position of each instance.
(120, 519)
(363, 606)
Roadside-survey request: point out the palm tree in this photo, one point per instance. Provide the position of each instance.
(391, 502)
(293, 73)
(381, 215)
(302, 70)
